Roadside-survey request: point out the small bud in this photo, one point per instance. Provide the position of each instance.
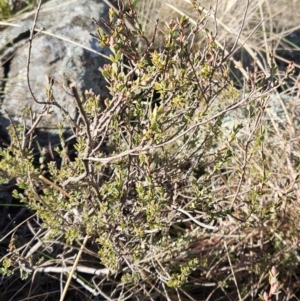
(266, 296)
(273, 271)
(290, 68)
(112, 42)
(274, 288)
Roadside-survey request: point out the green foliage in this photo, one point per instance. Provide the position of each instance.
(4, 10)
(177, 279)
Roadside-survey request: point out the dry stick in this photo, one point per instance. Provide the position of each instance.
(67, 269)
(75, 179)
(252, 268)
(33, 126)
(73, 268)
(82, 113)
(194, 220)
(55, 186)
(29, 51)
(233, 49)
(134, 151)
(13, 230)
(38, 119)
(232, 271)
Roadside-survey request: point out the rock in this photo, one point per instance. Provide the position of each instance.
(279, 112)
(52, 56)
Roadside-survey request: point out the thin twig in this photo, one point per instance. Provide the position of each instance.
(194, 220)
(232, 271)
(55, 186)
(82, 113)
(29, 51)
(73, 268)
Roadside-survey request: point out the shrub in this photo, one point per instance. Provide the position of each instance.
(163, 193)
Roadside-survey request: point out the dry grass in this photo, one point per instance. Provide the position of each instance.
(276, 20)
